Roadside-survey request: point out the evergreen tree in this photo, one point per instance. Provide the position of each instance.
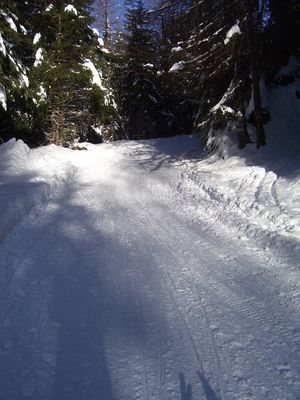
(283, 32)
(14, 96)
(212, 48)
(139, 99)
(67, 72)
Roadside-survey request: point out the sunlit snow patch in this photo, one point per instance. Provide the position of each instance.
(177, 66)
(97, 76)
(49, 8)
(38, 57)
(70, 8)
(176, 49)
(23, 29)
(2, 46)
(3, 96)
(234, 30)
(36, 38)
(9, 20)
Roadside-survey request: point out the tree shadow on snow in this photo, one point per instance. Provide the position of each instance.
(186, 389)
(209, 392)
(62, 306)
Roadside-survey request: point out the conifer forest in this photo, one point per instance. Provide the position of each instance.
(147, 70)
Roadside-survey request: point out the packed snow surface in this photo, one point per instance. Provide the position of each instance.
(126, 284)
(145, 270)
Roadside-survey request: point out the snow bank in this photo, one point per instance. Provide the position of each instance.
(254, 193)
(28, 178)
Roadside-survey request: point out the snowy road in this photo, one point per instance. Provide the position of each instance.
(109, 292)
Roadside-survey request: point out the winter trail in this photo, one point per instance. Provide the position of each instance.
(111, 293)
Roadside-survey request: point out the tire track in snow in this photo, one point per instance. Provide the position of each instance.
(251, 309)
(167, 277)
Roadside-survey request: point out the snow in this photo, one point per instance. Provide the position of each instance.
(3, 96)
(96, 74)
(49, 8)
(97, 80)
(100, 40)
(42, 93)
(176, 49)
(25, 180)
(37, 38)
(23, 29)
(9, 20)
(23, 78)
(38, 57)
(152, 270)
(224, 109)
(177, 66)
(234, 30)
(292, 68)
(71, 8)
(2, 46)
(148, 65)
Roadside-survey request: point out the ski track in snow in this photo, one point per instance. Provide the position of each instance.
(113, 290)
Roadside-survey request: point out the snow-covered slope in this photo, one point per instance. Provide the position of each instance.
(254, 193)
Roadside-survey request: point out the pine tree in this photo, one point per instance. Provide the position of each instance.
(139, 99)
(70, 93)
(14, 96)
(283, 31)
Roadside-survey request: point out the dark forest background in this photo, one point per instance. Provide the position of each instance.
(82, 70)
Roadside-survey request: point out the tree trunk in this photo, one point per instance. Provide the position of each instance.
(254, 53)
